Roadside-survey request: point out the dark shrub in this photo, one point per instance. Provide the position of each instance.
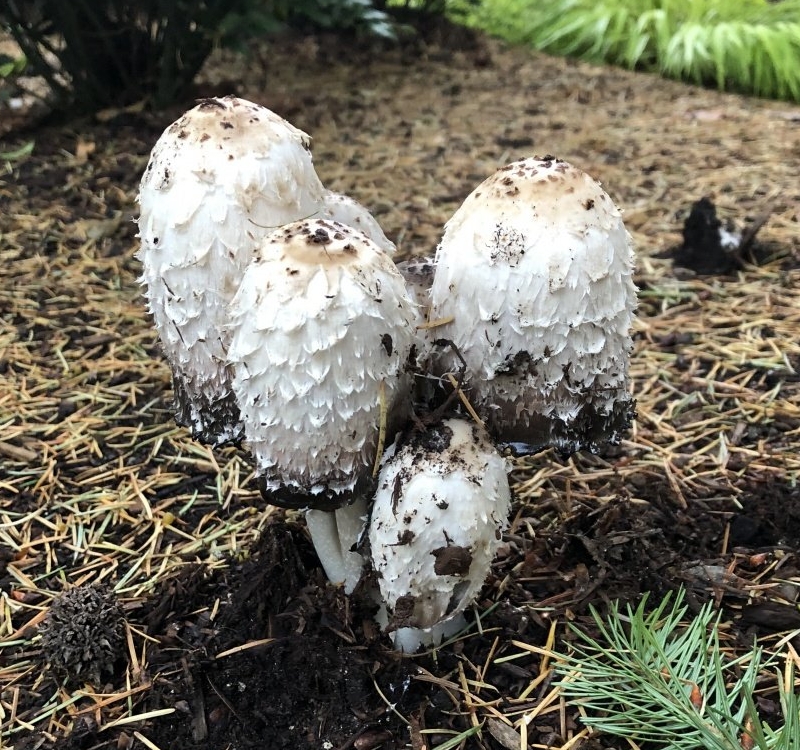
(101, 53)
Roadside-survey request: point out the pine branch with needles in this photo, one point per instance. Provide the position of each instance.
(659, 678)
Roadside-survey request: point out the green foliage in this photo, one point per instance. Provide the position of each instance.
(455, 9)
(11, 67)
(355, 15)
(652, 678)
(99, 53)
(96, 53)
(10, 70)
(18, 154)
(751, 46)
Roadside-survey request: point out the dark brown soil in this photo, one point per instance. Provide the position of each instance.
(323, 675)
(243, 645)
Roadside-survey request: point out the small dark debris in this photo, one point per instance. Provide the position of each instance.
(405, 537)
(83, 633)
(210, 103)
(514, 143)
(403, 615)
(702, 250)
(452, 560)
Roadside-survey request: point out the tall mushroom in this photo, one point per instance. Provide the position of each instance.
(442, 502)
(219, 179)
(322, 331)
(535, 270)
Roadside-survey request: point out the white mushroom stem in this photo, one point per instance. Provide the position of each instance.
(335, 535)
(411, 640)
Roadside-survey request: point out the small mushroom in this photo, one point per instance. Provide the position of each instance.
(535, 270)
(418, 273)
(219, 179)
(442, 501)
(321, 333)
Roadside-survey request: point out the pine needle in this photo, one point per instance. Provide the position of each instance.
(659, 678)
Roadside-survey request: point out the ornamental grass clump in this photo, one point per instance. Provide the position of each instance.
(750, 46)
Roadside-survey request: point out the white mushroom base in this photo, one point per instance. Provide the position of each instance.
(411, 640)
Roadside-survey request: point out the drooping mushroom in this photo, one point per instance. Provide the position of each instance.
(418, 275)
(219, 179)
(535, 269)
(441, 504)
(322, 331)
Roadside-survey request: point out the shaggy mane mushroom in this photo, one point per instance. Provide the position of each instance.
(219, 179)
(441, 504)
(321, 335)
(535, 270)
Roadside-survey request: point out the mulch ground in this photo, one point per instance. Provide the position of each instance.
(232, 637)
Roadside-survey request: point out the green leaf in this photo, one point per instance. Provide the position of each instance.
(455, 741)
(12, 66)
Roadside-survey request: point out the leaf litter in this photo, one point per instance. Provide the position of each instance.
(232, 637)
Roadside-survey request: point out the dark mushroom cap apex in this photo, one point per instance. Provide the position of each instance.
(322, 242)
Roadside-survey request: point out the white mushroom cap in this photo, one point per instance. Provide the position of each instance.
(348, 211)
(418, 275)
(536, 269)
(442, 502)
(322, 330)
(221, 177)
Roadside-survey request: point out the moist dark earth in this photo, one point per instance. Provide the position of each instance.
(256, 650)
(315, 681)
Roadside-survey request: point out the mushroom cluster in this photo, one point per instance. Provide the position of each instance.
(288, 327)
